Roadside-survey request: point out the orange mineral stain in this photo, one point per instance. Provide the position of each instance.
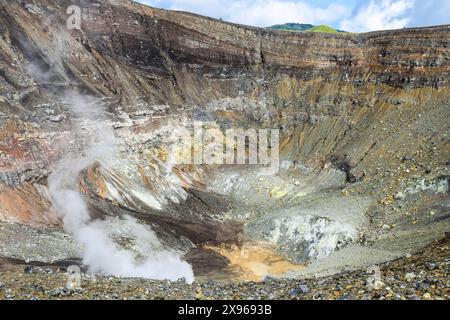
(253, 262)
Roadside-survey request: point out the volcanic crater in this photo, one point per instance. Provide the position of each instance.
(364, 139)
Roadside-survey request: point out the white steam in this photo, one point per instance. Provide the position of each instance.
(100, 252)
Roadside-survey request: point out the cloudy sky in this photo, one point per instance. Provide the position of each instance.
(349, 15)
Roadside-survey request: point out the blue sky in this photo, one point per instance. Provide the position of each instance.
(349, 15)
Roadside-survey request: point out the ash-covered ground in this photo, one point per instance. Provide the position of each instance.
(424, 275)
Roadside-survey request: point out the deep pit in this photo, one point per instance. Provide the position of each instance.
(89, 120)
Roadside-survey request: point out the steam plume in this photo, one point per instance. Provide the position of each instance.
(95, 140)
(100, 253)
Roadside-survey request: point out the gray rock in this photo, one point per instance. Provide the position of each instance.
(422, 286)
(28, 269)
(430, 266)
(347, 296)
(58, 118)
(410, 276)
(302, 289)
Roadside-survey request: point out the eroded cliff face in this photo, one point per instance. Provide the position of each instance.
(364, 122)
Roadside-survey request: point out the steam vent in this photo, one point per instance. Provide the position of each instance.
(105, 129)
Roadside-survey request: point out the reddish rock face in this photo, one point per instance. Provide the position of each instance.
(27, 204)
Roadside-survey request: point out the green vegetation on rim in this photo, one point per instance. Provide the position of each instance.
(323, 29)
(299, 27)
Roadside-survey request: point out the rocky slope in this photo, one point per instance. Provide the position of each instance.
(412, 278)
(364, 122)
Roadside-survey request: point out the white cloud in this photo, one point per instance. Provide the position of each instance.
(430, 12)
(350, 15)
(260, 13)
(379, 15)
(270, 12)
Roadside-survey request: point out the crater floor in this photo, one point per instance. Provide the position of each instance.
(421, 276)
